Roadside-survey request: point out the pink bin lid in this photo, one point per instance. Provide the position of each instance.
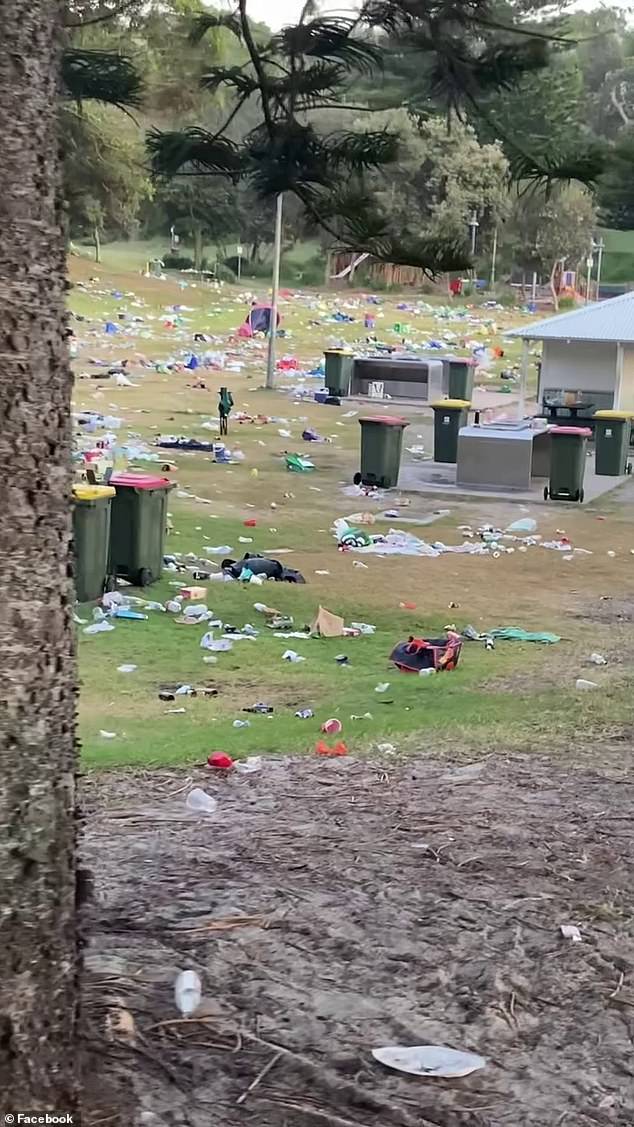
(583, 432)
(140, 481)
(385, 420)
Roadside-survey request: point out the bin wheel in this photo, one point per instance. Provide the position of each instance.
(145, 577)
(546, 493)
(581, 496)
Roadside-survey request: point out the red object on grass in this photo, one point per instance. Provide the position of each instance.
(220, 762)
(322, 748)
(251, 523)
(332, 727)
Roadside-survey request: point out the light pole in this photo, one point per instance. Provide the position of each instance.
(589, 265)
(473, 227)
(599, 247)
(277, 255)
(494, 255)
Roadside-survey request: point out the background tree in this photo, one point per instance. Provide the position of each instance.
(38, 957)
(546, 227)
(312, 66)
(442, 177)
(105, 178)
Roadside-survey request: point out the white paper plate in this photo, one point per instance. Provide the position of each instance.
(429, 1060)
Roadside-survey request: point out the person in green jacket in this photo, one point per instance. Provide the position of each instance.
(225, 403)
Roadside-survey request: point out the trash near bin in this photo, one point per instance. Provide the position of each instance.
(381, 446)
(567, 463)
(137, 535)
(91, 539)
(338, 362)
(459, 373)
(612, 442)
(449, 416)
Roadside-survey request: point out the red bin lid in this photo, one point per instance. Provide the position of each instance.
(583, 432)
(140, 481)
(385, 420)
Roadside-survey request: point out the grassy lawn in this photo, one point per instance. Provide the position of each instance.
(517, 695)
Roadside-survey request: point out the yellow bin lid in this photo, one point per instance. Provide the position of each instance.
(452, 404)
(83, 492)
(614, 414)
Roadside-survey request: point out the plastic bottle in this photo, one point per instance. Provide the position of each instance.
(187, 992)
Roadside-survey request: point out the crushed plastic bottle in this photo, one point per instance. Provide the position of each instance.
(199, 802)
(249, 766)
(585, 686)
(188, 992)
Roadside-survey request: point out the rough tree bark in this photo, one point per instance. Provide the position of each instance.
(38, 962)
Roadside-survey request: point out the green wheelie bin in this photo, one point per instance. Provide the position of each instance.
(338, 363)
(459, 371)
(381, 446)
(449, 416)
(91, 539)
(139, 520)
(612, 443)
(567, 463)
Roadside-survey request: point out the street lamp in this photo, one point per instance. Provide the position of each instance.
(473, 227)
(599, 248)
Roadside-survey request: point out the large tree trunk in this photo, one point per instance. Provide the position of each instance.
(38, 963)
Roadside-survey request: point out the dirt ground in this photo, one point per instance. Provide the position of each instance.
(331, 907)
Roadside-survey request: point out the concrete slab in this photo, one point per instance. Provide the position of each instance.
(438, 478)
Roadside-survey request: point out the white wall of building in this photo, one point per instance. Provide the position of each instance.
(578, 366)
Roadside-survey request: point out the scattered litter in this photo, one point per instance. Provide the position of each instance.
(107, 735)
(429, 1060)
(199, 802)
(102, 627)
(305, 714)
(570, 931)
(339, 749)
(585, 686)
(242, 723)
(188, 990)
(126, 668)
(383, 687)
(598, 659)
(290, 655)
(207, 642)
(327, 625)
(332, 727)
(249, 766)
(220, 762)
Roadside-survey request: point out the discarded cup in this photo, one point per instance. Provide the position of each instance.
(332, 727)
(199, 802)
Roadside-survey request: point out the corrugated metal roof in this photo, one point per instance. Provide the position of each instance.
(609, 321)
